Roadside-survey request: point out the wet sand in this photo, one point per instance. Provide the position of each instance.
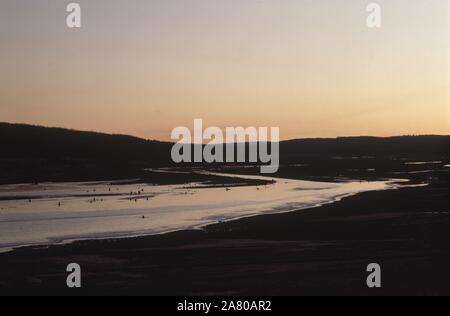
(321, 251)
(59, 213)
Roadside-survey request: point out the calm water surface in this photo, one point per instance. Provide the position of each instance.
(55, 213)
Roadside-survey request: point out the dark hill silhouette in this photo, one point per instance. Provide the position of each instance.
(36, 154)
(39, 154)
(27, 141)
(405, 146)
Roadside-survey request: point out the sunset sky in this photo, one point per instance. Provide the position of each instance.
(311, 67)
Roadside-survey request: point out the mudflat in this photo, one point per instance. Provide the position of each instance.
(319, 251)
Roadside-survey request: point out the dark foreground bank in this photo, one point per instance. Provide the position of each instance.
(321, 251)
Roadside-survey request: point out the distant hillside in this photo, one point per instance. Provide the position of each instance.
(38, 154)
(407, 146)
(26, 141)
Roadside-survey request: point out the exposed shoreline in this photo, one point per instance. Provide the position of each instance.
(64, 242)
(240, 181)
(322, 250)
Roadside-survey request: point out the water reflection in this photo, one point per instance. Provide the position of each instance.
(55, 213)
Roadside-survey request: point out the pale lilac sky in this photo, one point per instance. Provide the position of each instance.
(143, 67)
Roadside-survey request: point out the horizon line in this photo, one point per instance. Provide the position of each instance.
(166, 141)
